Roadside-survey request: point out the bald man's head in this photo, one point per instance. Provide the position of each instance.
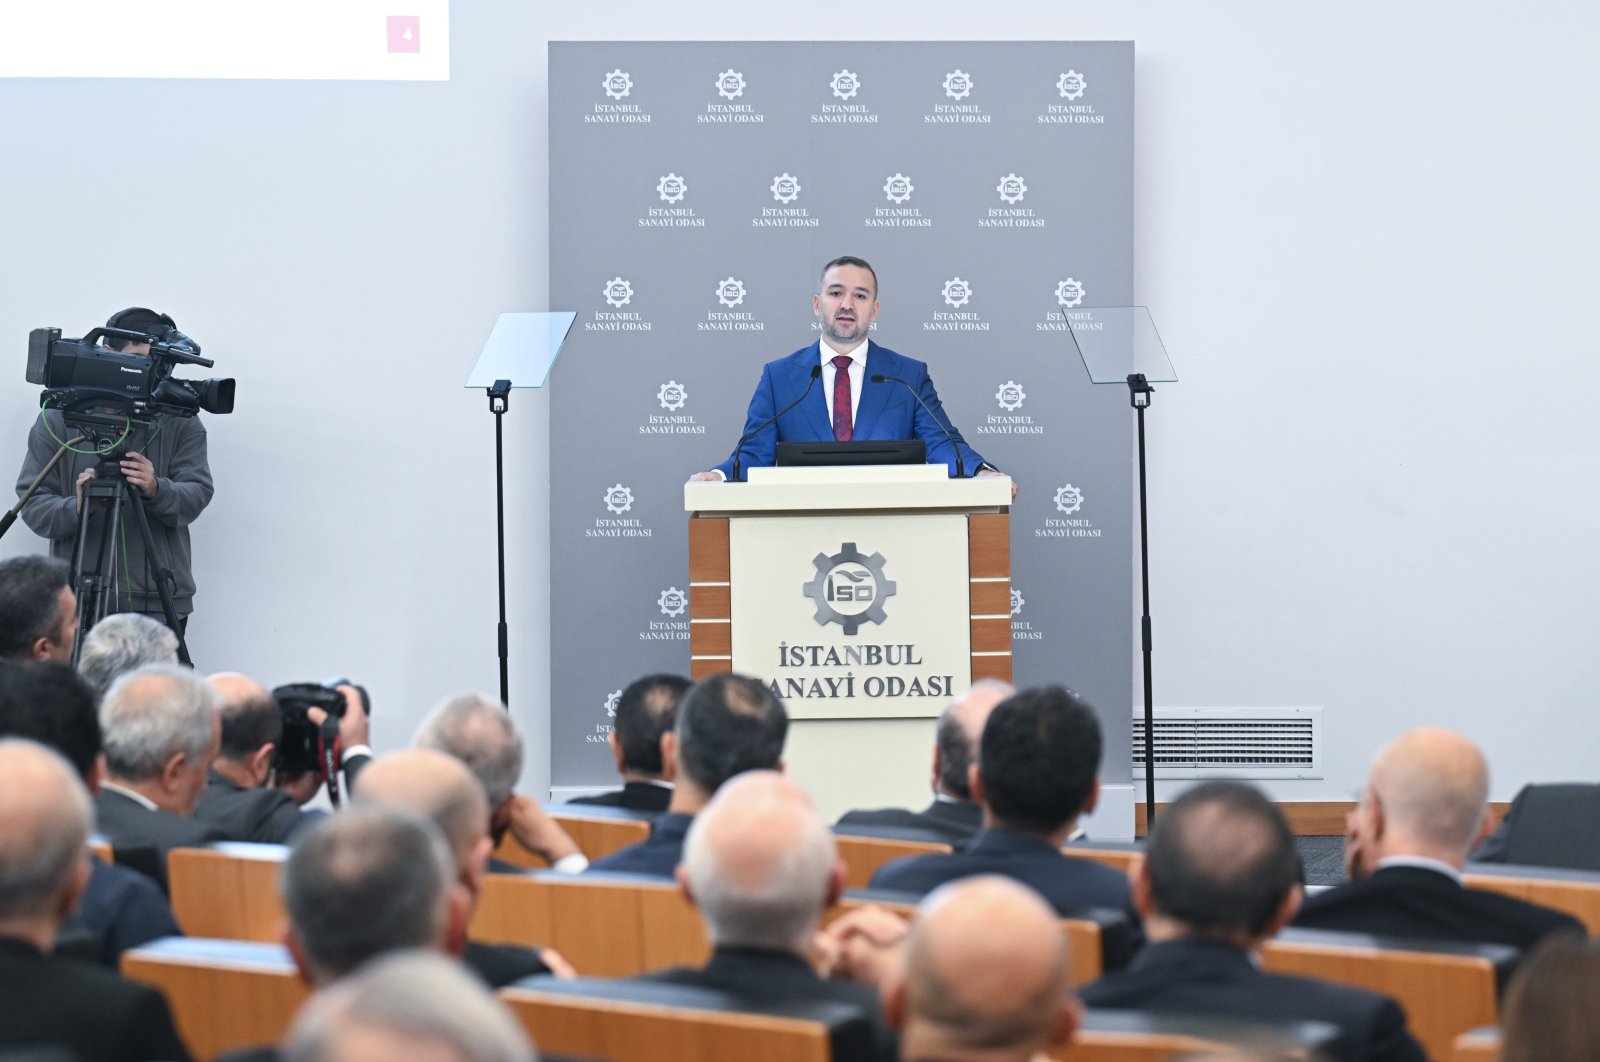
(45, 817)
(960, 730)
(438, 787)
(986, 972)
(1427, 795)
(760, 864)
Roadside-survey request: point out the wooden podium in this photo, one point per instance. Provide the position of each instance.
(867, 597)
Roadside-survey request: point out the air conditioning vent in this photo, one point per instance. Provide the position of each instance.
(1232, 743)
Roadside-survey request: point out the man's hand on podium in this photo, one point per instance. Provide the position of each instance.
(997, 472)
(705, 477)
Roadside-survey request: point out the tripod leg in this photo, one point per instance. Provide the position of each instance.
(168, 609)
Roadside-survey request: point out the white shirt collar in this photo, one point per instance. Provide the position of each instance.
(1423, 863)
(137, 798)
(857, 353)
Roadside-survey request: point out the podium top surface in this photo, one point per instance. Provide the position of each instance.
(912, 488)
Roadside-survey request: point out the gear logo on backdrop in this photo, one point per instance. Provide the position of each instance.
(617, 84)
(958, 84)
(849, 588)
(1069, 293)
(672, 602)
(845, 84)
(618, 292)
(898, 188)
(786, 188)
(1069, 499)
(672, 188)
(730, 292)
(1017, 601)
(619, 499)
(730, 84)
(1012, 188)
(1010, 396)
(956, 292)
(1072, 85)
(672, 396)
(612, 700)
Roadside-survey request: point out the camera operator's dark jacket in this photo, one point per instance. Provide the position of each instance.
(176, 446)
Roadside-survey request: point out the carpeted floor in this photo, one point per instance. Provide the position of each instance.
(1324, 859)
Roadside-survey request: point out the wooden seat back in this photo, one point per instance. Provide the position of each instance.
(1573, 891)
(1119, 858)
(224, 995)
(1479, 1045)
(1445, 989)
(598, 832)
(624, 1030)
(863, 855)
(1136, 1036)
(228, 891)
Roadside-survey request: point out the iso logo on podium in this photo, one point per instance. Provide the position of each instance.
(849, 588)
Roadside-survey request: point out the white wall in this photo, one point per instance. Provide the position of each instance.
(1364, 230)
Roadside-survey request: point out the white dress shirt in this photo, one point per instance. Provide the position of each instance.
(858, 376)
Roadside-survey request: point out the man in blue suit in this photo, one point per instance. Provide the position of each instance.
(843, 402)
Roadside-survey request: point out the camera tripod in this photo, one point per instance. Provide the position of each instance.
(96, 587)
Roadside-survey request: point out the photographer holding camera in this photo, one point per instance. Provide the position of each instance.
(164, 459)
(264, 770)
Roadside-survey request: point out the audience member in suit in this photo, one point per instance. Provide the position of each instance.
(121, 642)
(362, 884)
(1552, 1009)
(1037, 768)
(439, 787)
(161, 731)
(50, 704)
(45, 814)
(1424, 808)
(239, 798)
(407, 1007)
(1548, 826)
(953, 816)
(1220, 875)
(985, 976)
(479, 731)
(38, 610)
(645, 714)
(726, 725)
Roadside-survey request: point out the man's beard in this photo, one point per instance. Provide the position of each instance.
(834, 331)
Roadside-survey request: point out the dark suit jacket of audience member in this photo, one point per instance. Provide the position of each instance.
(1417, 902)
(78, 1005)
(956, 822)
(635, 796)
(120, 909)
(762, 977)
(1212, 979)
(658, 854)
(498, 965)
(123, 820)
(1548, 826)
(1066, 882)
(266, 816)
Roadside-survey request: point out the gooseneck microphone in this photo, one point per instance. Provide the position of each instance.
(961, 466)
(816, 373)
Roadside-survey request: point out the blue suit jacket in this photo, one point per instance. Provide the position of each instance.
(885, 411)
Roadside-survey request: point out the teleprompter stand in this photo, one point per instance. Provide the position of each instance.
(1120, 345)
(522, 347)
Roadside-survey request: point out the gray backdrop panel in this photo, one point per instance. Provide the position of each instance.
(655, 378)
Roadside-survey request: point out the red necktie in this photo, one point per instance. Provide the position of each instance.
(841, 398)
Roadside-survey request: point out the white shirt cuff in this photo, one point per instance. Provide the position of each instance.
(576, 863)
(354, 750)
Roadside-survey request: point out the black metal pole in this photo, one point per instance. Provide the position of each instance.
(1139, 392)
(499, 400)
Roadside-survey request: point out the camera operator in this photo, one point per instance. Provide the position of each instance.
(166, 463)
(244, 796)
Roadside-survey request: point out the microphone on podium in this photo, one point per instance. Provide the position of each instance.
(816, 373)
(961, 466)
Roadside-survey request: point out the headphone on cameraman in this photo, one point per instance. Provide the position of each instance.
(116, 320)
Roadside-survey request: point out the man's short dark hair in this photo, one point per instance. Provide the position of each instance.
(249, 724)
(727, 725)
(1221, 859)
(30, 605)
(955, 756)
(647, 709)
(850, 260)
(50, 704)
(137, 319)
(1039, 758)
